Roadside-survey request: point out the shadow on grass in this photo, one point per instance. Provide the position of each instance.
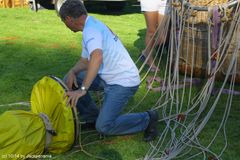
(22, 65)
(140, 42)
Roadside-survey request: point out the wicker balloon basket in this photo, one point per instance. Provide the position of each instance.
(194, 47)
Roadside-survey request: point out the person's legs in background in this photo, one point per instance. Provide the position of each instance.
(151, 19)
(163, 23)
(155, 13)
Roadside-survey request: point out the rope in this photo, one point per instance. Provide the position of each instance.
(16, 104)
(188, 119)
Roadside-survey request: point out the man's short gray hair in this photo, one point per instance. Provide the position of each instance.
(72, 8)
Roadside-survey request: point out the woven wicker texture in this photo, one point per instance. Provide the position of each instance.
(232, 46)
(202, 16)
(193, 51)
(194, 43)
(207, 2)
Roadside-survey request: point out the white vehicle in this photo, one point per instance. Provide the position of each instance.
(116, 5)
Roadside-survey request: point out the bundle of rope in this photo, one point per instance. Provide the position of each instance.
(204, 42)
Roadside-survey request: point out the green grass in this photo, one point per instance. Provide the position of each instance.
(33, 45)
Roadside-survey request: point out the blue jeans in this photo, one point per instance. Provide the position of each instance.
(109, 120)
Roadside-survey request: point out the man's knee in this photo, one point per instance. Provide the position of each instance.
(104, 129)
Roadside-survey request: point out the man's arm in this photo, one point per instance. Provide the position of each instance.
(92, 70)
(81, 65)
(93, 67)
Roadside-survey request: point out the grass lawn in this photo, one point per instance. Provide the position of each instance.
(33, 45)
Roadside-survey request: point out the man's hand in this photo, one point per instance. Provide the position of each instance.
(73, 97)
(71, 80)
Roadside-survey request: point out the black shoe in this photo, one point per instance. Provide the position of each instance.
(151, 131)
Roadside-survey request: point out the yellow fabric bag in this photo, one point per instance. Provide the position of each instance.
(47, 97)
(25, 134)
(22, 134)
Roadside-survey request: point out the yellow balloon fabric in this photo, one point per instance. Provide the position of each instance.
(47, 97)
(22, 134)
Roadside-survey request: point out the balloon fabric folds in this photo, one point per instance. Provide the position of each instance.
(47, 97)
(50, 126)
(22, 133)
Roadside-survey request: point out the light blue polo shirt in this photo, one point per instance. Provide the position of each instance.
(117, 67)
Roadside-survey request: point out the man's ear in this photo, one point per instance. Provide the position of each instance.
(68, 19)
